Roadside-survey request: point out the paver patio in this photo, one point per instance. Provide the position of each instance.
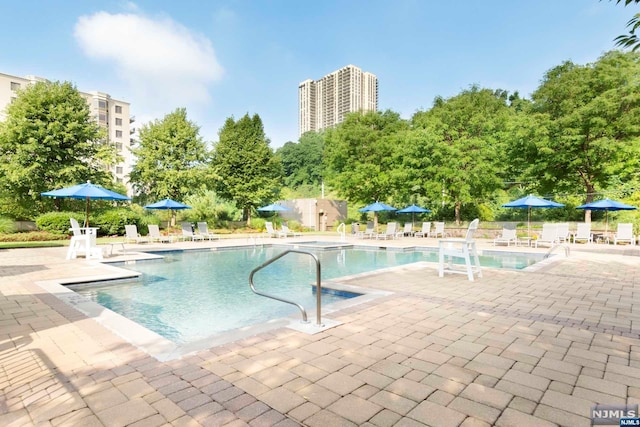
(531, 348)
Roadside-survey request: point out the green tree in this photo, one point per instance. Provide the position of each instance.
(630, 40)
(591, 115)
(49, 141)
(302, 161)
(171, 159)
(248, 171)
(359, 156)
(458, 146)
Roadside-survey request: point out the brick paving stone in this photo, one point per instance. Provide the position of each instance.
(512, 418)
(169, 410)
(328, 363)
(202, 412)
(467, 350)
(520, 390)
(304, 411)
(340, 383)
(273, 377)
(318, 395)
(219, 418)
(282, 399)
(475, 409)
(474, 422)
(355, 409)
(267, 419)
(390, 369)
(393, 402)
(152, 421)
(488, 396)
(410, 389)
(252, 386)
(366, 391)
(105, 399)
(561, 417)
(554, 375)
(126, 413)
(287, 422)
(431, 356)
(309, 372)
(326, 418)
(456, 373)
(523, 405)
(529, 380)
(596, 396)
(434, 414)
(441, 397)
(567, 403)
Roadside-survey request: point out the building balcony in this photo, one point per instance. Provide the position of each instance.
(132, 119)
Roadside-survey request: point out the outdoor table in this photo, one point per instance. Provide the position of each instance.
(525, 240)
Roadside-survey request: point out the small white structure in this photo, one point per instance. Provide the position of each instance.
(316, 214)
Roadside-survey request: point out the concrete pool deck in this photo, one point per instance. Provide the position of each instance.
(535, 348)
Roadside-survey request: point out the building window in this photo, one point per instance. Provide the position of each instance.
(102, 104)
(119, 170)
(118, 122)
(15, 86)
(119, 146)
(118, 109)
(118, 134)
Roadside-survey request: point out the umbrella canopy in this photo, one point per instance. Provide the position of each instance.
(86, 191)
(375, 208)
(607, 205)
(167, 204)
(413, 209)
(274, 207)
(532, 202)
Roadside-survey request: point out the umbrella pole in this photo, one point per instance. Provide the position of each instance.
(86, 215)
(529, 221)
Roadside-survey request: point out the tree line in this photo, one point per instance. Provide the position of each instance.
(577, 137)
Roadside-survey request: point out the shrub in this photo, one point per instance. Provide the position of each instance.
(112, 222)
(258, 223)
(7, 225)
(32, 236)
(57, 222)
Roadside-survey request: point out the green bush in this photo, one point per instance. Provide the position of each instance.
(57, 222)
(7, 225)
(32, 236)
(112, 222)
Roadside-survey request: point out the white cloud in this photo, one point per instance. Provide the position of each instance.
(163, 63)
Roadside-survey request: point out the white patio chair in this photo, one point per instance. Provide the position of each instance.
(188, 234)
(286, 232)
(438, 230)
(508, 236)
(583, 233)
(132, 235)
(390, 232)
(549, 235)
(425, 231)
(408, 229)
(460, 248)
(368, 233)
(562, 232)
(624, 234)
(155, 236)
(203, 230)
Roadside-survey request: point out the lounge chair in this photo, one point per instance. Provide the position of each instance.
(391, 232)
(583, 233)
(549, 235)
(132, 235)
(624, 234)
(188, 234)
(368, 232)
(460, 248)
(408, 229)
(155, 236)
(286, 232)
(425, 231)
(439, 229)
(508, 236)
(562, 232)
(269, 229)
(203, 230)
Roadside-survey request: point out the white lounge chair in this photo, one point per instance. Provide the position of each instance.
(562, 232)
(425, 231)
(155, 236)
(460, 248)
(391, 232)
(203, 230)
(408, 229)
(132, 235)
(549, 235)
(508, 236)
(624, 234)
(188, 234)
(368, 232)
(583, 233)
(438, 230)
(269, 229)
(286, 232)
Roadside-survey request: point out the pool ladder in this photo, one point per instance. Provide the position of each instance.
(318, 285)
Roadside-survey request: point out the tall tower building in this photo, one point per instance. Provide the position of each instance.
(324, 103)
(111, 114)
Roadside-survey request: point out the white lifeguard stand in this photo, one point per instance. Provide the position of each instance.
(460, 248)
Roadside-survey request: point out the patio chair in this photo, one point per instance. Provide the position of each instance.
(425, 231)
(286, 232)
(368, 232)
(624, 234)
(132, 235)
(79, 241)
(460, 248)
(203, 230)
(408, 229)
(508, 236)
(188, 234)
(562, 232)
(583, 233)
(391, 232)
(438, 229)
(549, 235)
(269, 229)
(155, 236)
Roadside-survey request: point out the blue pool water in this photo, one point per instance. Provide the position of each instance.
(187, 296)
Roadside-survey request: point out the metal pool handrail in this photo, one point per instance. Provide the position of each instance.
(342, 231)
(318, 285)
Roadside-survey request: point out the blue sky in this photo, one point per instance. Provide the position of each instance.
(227, 58)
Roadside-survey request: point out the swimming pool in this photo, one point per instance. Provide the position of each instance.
(188, 296)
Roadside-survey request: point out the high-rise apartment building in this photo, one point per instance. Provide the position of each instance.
(324, 103)
(111, 114)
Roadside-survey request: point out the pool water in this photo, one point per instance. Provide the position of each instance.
(187, 296)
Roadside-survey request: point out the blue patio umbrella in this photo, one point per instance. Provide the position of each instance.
(529, 202)
(413, 210)
(273, 207)
(86, 191)
(168, 204)
(607, 205)
(375, 208)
